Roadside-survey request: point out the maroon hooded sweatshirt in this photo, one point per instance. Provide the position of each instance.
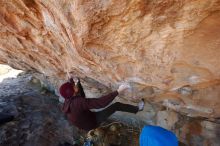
(78, 111)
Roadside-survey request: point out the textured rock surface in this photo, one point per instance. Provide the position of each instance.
(167, 50)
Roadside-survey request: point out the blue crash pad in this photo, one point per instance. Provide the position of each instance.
(157, 136)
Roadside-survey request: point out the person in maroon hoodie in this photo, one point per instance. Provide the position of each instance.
(77, 107)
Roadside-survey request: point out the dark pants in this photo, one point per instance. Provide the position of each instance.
(104, 114)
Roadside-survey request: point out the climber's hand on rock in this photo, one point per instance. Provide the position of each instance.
(74, 79)
(71, 80)
(122, 88)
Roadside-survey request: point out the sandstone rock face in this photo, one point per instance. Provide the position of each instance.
(167, 50)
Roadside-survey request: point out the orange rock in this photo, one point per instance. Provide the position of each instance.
(161, 44)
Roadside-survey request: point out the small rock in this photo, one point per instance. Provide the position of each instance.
(25, 125)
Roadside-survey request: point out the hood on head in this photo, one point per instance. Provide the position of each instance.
(66, 90)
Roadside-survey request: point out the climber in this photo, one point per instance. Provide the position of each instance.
(157, 136)
(77, 106)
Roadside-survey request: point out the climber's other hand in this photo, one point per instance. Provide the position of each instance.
(122, 88)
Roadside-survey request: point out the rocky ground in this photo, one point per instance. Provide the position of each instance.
(38, 119)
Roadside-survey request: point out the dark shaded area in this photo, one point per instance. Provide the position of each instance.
(4, 118)
(38, 120)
